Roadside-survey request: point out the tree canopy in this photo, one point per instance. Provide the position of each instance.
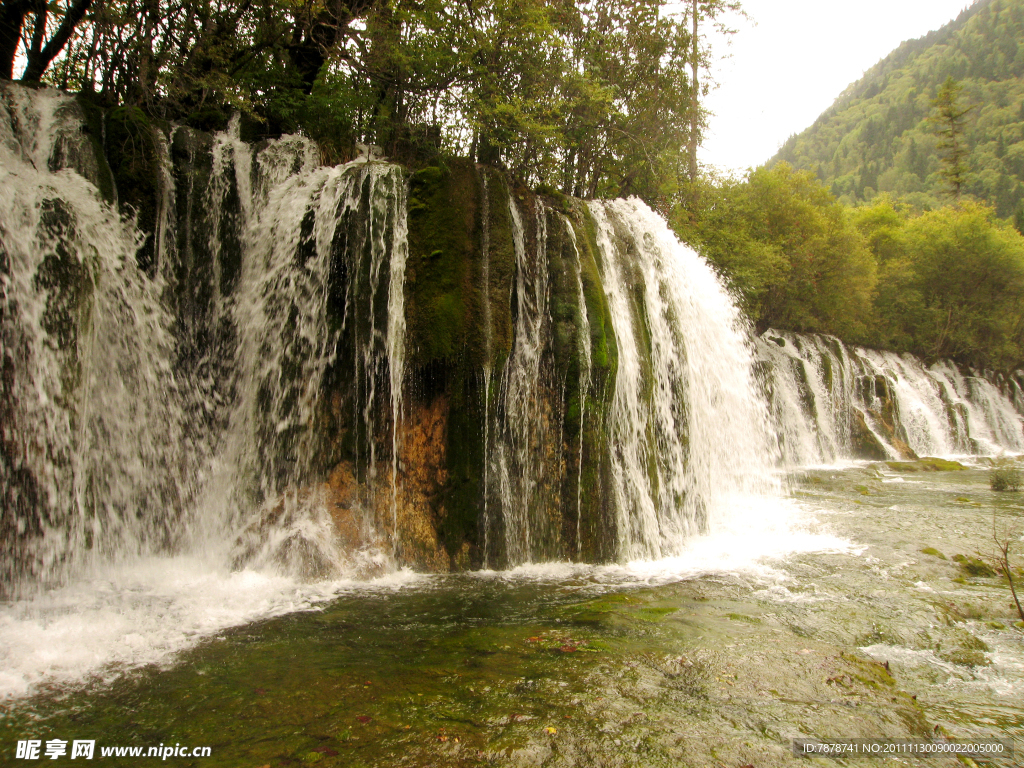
(944, 283)
(790, 251)
(951, 282)
(587, 97)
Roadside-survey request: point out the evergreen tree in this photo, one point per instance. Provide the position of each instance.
(948, 119)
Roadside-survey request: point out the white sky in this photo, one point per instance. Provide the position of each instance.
(790, 67)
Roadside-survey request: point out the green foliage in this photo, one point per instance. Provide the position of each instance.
(789, 250)
(1005, 476)
(951, 283)
(878, 136)
(974, 566)
(587, 97)
(946, 283)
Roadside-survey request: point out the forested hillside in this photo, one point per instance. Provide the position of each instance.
(879, 135)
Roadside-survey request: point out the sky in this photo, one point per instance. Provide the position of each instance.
(790, 61)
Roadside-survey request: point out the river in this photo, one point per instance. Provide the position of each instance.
(816, 615)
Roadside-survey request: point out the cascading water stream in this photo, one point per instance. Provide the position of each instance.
(523, 431)
(485, 281)
(680, 462)
(586, 356)
(95, 463)
(832, 401)
(142, 428)
(313, 225)
(106, 441)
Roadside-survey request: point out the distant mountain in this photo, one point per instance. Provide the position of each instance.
(877, 136)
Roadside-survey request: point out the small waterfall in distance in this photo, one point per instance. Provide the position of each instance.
(833, 401)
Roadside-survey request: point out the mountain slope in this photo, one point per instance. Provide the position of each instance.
(877, 136)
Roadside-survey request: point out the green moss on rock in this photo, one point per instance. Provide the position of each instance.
(443, 262)
(974, 566)
(866, 444)
(597, 514)
(66, 277)
(926, 464)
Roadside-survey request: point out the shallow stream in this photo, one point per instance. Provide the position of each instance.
(778, 626)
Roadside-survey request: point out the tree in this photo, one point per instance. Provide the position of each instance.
(948, 119)
(790, 250)
(701, 11)
(40, 50)
(955, 288)
(595, 97)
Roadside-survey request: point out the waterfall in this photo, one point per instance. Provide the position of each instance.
(94, 461)
(235, 377)
(586, 356)
(485, 286)
(688, 430)
(167, 409)
(322, 287)
(224, 370)
(523, 427)
(832, 401)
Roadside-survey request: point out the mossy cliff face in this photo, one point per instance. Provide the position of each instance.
(529, 419)
(480, 442)
(445, 344)
(585, 340)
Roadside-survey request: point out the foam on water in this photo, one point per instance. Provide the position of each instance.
(120, 617)
(754, 541)
(1001, 677)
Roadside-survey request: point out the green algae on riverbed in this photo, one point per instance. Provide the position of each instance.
(475, 674)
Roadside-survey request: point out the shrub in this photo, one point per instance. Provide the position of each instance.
(1005, 478)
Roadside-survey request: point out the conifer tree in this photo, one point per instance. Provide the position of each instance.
(949, 127)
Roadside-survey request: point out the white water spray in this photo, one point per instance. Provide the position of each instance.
(689, 432)
(819, 386)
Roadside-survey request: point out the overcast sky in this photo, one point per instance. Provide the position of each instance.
(793, 58)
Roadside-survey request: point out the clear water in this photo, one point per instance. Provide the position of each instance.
(772, 627)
